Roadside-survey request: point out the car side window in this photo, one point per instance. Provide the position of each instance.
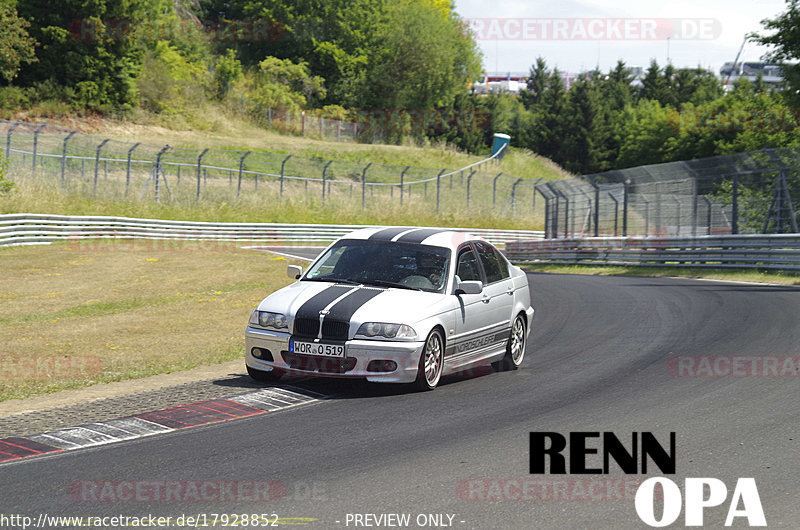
(494, 265)
(467, 268)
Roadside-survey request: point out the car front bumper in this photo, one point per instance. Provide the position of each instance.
(360, 352)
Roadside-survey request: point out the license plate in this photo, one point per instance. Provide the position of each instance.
(316, 348)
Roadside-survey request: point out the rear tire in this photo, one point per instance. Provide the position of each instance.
(431, 362)
(265, 377)
(515, 348)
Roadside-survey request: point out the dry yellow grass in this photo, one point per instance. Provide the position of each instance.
(75, 314)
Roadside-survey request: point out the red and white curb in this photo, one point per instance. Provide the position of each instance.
(154, 422)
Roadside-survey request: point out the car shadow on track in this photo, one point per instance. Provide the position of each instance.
(333, 388)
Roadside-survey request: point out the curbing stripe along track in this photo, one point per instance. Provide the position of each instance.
(155, 422)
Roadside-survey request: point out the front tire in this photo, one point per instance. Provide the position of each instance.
(265, 377)
(515, 348)
(431, 362)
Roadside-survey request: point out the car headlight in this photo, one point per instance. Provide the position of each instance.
(388, 331)
(266, 319)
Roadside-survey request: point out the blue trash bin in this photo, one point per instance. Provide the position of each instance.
(500, 140)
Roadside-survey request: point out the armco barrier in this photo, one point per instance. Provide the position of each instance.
(778, 252)
(31, 229)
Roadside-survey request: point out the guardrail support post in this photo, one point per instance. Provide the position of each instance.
(494, 189)
(64, 158)
(283, 165)
(200, 169)
(324, 174)
(128, 167)
(438, 188)
(364, 186)
(97, 163)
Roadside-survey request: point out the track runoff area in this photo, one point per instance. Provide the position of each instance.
(641, 403)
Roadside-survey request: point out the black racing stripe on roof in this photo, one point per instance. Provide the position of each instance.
(388, 233)
(321, 300)
(345, 308)
(419, 235)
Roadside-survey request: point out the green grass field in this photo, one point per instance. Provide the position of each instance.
(77, 314)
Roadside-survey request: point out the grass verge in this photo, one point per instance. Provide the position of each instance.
(74, 315)
(660, 272)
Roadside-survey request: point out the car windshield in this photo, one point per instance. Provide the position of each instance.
(384, 263)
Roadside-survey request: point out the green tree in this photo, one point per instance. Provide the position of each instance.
(422, 57)
(783, 36)
(16, 45)
(78, 50)
(227, 72)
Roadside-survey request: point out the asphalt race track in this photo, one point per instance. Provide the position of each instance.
(597, 360)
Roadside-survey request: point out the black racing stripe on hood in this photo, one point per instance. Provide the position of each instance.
(345, 308)
(420, 235)
(388, 233)
(321, 300)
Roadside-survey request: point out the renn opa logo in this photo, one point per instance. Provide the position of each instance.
(594, 452)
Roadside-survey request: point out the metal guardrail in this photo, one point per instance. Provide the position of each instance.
(778, 252)
(31, 229)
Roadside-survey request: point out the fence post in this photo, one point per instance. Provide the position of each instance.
(283, 165)
(514, 195)
(735, 213)
(694, 205)
(438, 188)
(241, 170)
(35, 146)
(625, 192)
(616, 212)
(547, 232)
(494, 189)
(97, 163)
(269, 117)
(303, 113)
(646, 217)
(199, 169)
(533, 206)
(469, 182)
(708, 215)
(324, 174)
(64, 158)
(8, 139)
(364, 186)
(555, 210)
(158, 169)
(402, 178)
(128, 168)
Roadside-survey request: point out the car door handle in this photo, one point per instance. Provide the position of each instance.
(510, 291)
(486, 299)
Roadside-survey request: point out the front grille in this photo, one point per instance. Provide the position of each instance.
(323, 365)
(335, 329)
(306, 327)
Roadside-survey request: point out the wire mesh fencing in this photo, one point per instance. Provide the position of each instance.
(755, 192)
(114, 169)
